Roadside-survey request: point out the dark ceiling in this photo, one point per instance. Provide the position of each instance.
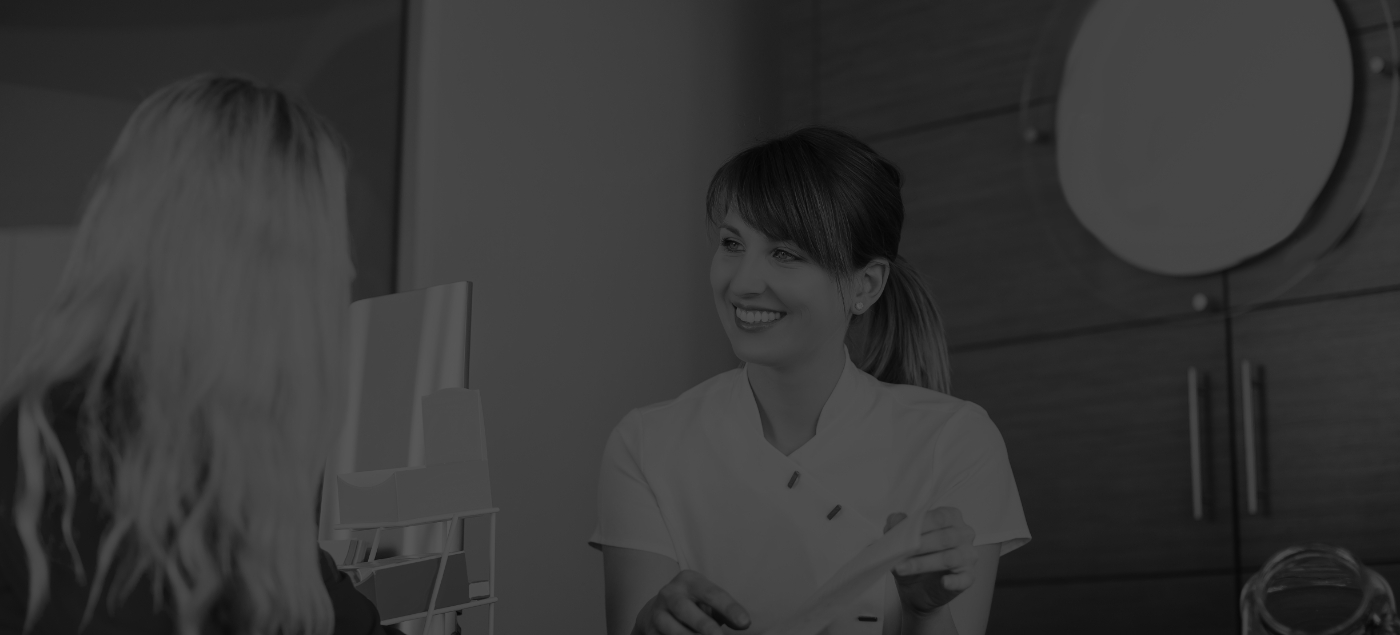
(135, 13)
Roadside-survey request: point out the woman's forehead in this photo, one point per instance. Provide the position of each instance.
(734, 222)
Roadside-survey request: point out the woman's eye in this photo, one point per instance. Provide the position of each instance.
(784, 255)
(730, 244)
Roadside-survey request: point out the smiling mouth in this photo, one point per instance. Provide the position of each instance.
(749, 318)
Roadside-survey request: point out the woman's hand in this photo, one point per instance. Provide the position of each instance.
(690, 604)
(943, 568)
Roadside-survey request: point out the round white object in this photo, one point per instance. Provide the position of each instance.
(1194, 134)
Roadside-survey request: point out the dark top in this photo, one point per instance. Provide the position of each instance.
(354, 613)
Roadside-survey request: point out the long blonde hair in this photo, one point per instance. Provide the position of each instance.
(204, 306)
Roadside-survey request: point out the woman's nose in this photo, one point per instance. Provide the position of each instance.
(748, 278)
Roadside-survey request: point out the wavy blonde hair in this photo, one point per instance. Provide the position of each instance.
(204, 306)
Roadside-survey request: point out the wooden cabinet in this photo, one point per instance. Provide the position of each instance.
(935, 87)
(1326, 413)
(1199, 605)
(1003, 260)
(1096, 426)
(1081, 359)
(1099, 436)
(898, 65)
(889, 68)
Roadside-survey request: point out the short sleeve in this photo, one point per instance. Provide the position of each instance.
(977, 480)
(355, 614)
(628, 515)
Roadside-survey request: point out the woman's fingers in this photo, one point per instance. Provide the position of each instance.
(694, 619)
(941, 517)
(663, 623)
(943, 568)
(946, 538)
(683, 616)
(724, 606)
(936, 519)
(956, 560)
(944, 546)
(944, 529)
(959, 581)
(697, 605)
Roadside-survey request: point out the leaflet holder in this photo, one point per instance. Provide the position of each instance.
(411, 459)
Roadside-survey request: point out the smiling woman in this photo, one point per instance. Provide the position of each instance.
(788, 193)
(736, 502)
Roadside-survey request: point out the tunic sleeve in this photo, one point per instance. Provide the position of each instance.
(977, 480)
(355, 614)
(628, 514)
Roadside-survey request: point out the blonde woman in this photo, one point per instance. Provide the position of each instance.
(161, 440)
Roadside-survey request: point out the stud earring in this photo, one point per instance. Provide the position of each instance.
(860, 306)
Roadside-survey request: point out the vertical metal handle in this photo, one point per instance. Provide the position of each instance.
(1194, 421)
(1251, 451)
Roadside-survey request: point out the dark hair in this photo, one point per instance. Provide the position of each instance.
(839, 201)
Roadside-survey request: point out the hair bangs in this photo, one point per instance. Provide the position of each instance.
(778, 189)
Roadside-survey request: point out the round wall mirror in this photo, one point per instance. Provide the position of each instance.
(1185, 138)
(1194, 134)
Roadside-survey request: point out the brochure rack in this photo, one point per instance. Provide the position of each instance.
(441, 600)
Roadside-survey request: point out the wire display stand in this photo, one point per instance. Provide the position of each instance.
(452, 522)
(411, 459)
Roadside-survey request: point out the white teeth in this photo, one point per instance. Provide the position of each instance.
(752, 317)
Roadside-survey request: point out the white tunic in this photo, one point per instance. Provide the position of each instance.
(694, 479)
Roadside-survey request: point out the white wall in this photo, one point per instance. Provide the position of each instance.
(70, 77)
(559, 157)
(31, 263)
(51, 142)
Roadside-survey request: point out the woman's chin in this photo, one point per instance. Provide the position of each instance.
(751, 352)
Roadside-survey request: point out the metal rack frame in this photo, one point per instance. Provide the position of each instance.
(453, 521)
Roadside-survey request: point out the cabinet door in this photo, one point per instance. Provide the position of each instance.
(1098, 432)
(1199, 605)
(1326, 413)
(1003, 257)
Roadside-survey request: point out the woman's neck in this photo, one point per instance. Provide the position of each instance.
(790, 399)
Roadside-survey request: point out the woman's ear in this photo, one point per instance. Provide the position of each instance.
(870, 284)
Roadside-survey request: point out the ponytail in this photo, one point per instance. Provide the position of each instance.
(903, 334)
